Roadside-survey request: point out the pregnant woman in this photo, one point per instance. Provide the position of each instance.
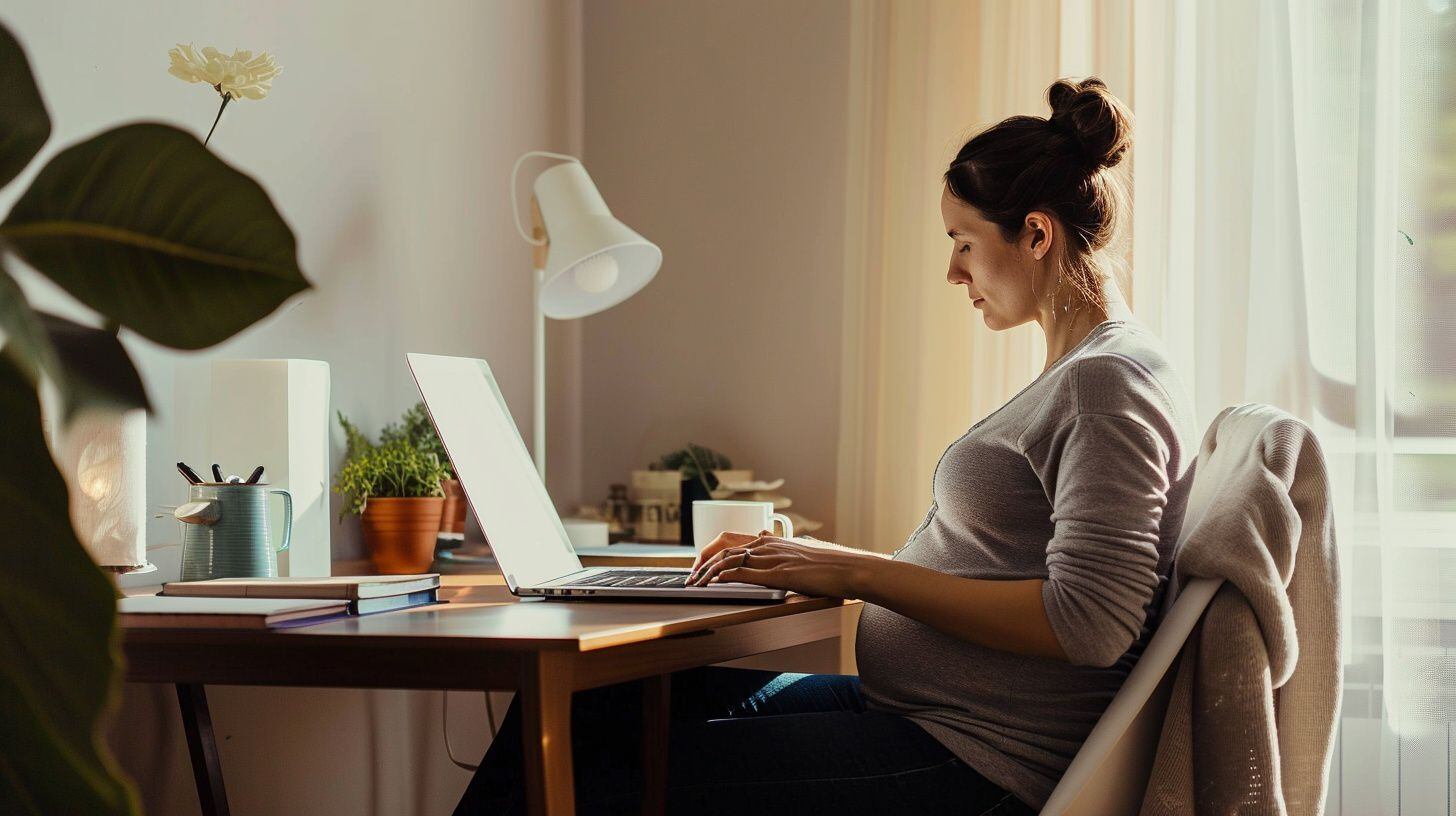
(991, 642)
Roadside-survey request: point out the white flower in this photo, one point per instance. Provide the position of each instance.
(241, 75)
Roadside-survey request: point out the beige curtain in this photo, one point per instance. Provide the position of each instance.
(919, 365)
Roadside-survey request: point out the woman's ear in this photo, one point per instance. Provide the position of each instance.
(1039, 229)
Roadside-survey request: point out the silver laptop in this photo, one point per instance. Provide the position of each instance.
(504, 490)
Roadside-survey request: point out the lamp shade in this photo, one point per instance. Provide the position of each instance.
(103, 455)
(594, 261)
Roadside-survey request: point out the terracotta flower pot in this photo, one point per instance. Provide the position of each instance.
(400, 533)
(453, 520)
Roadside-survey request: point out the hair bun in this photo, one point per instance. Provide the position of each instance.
(1097, 122)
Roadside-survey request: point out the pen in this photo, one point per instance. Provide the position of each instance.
(216, 473)
(257, 474)
(188, 474)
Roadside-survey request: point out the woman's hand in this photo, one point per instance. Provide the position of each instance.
(781, 563)
(1000, 614)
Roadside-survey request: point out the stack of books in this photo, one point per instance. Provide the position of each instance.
(263, 603)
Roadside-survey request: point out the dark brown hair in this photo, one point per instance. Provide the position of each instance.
(1060, 165)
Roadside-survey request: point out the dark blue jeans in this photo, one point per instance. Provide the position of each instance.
(748, 742)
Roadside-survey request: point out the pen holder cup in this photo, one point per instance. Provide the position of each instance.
(225, 532)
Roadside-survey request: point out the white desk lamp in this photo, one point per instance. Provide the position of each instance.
(586, 261)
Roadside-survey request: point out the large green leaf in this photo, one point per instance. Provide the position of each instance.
(147, 227)
(89, 366)
(58, 649)
(97, 369)
(25, 336)
(24, 125)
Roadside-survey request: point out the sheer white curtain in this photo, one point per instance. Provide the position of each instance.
(1294, 234)
(1294, 242)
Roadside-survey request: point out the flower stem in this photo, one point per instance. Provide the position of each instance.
(226, 98)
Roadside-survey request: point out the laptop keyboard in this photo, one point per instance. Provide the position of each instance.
(637, 578)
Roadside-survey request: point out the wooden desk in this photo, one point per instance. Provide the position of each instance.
(484, 639)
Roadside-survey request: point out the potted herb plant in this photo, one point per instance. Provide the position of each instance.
(416, 429)
(394, 487)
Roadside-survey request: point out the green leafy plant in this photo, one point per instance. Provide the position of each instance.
(415, 428)
(355, 441)
(396, 468)
(162, 239)
(695, 462)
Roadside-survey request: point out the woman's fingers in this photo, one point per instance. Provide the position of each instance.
(726, 551)
(713, 563)
(781, 564)
(763, 554)
(724, 560)
(724, 543)
(708, 553)
(717, 545)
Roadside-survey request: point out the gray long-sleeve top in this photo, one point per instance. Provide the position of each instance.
(1081, 480)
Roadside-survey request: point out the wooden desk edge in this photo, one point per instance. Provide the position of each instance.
(316, 637)
(361, 663)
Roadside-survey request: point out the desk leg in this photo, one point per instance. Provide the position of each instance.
(656, 714)
(206, 764)
(546, 716)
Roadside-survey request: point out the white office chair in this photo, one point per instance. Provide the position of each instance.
(1109, 775)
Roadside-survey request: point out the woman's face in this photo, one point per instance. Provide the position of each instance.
(998, 274)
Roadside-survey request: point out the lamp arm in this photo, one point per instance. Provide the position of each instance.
(516, 210)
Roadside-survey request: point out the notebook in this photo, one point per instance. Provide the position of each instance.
(345, 587)
(222, 613)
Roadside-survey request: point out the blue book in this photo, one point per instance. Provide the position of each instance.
(389, 603)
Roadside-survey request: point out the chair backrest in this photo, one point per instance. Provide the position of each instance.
(1110, 773)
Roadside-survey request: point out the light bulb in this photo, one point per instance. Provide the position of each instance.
(98, 465)
(96, 484)
(596, 274)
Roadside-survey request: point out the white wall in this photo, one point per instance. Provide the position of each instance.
(387, 144)
(719, 131)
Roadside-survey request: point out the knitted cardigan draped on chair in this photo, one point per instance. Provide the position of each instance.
(1250, 725)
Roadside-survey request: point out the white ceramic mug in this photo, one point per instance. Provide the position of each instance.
(710, 518)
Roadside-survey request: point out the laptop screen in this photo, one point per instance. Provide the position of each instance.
(494, 468)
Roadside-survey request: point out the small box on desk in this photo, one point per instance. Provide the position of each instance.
(275, 413)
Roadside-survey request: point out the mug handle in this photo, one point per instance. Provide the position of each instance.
(287, 518)
(783, 520)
